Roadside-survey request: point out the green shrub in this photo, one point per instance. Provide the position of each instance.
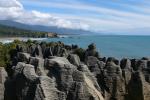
(81, 53)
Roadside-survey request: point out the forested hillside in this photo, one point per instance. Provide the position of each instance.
(7, 31)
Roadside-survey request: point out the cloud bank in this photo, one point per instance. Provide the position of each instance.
(14, 10)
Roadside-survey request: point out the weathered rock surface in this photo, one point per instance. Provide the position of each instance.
(113, 82)
(139, 89)
(94, 65)
(23, 57)
(56, 71)
(46, 90)
(74, 59)
(38, 64)
(91, 51)
(3, 78)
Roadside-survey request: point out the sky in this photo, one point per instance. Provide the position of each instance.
(107, 16)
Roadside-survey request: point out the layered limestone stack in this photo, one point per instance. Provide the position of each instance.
(56, 72)
(54, 78)
(3, 77)
(76, 84)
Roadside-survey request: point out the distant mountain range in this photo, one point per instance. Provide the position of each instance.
(44, 28)
(10, 31)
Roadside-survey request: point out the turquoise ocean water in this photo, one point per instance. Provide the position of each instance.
(112, 46)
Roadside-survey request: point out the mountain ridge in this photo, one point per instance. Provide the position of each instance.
(45, 28)
(11, 31)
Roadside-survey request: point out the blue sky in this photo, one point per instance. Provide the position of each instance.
(107, 16)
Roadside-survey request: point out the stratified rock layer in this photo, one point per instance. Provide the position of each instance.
(3, 77)
(60, 72)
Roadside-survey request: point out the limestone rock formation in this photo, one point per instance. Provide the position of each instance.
(113, 82)
(3, 78)
(91, 51)
(46, 90)
(139, 89)
(55, 71)
(74, 59)
(23, 57)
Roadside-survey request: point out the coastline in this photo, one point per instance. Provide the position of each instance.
(116, 46)
(11, 39)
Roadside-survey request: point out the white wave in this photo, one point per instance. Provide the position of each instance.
(9, 40)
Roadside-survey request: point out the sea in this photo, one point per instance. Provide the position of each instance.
(119, 46)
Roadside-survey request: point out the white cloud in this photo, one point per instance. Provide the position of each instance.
(97, 9)
(10, 3)
(13, 10)
(113, 20)
(10, 9)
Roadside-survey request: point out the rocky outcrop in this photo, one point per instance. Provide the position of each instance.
(74, 83)
(46, 90)
(55, 71)
(74, 59)
(94, 65)
(3, 78)
(53, 78)
(91, 51)
(38, 64)
(113, 82)
(139, 89)
(23, 57)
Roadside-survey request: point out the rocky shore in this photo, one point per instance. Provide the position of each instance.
(55, 71)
